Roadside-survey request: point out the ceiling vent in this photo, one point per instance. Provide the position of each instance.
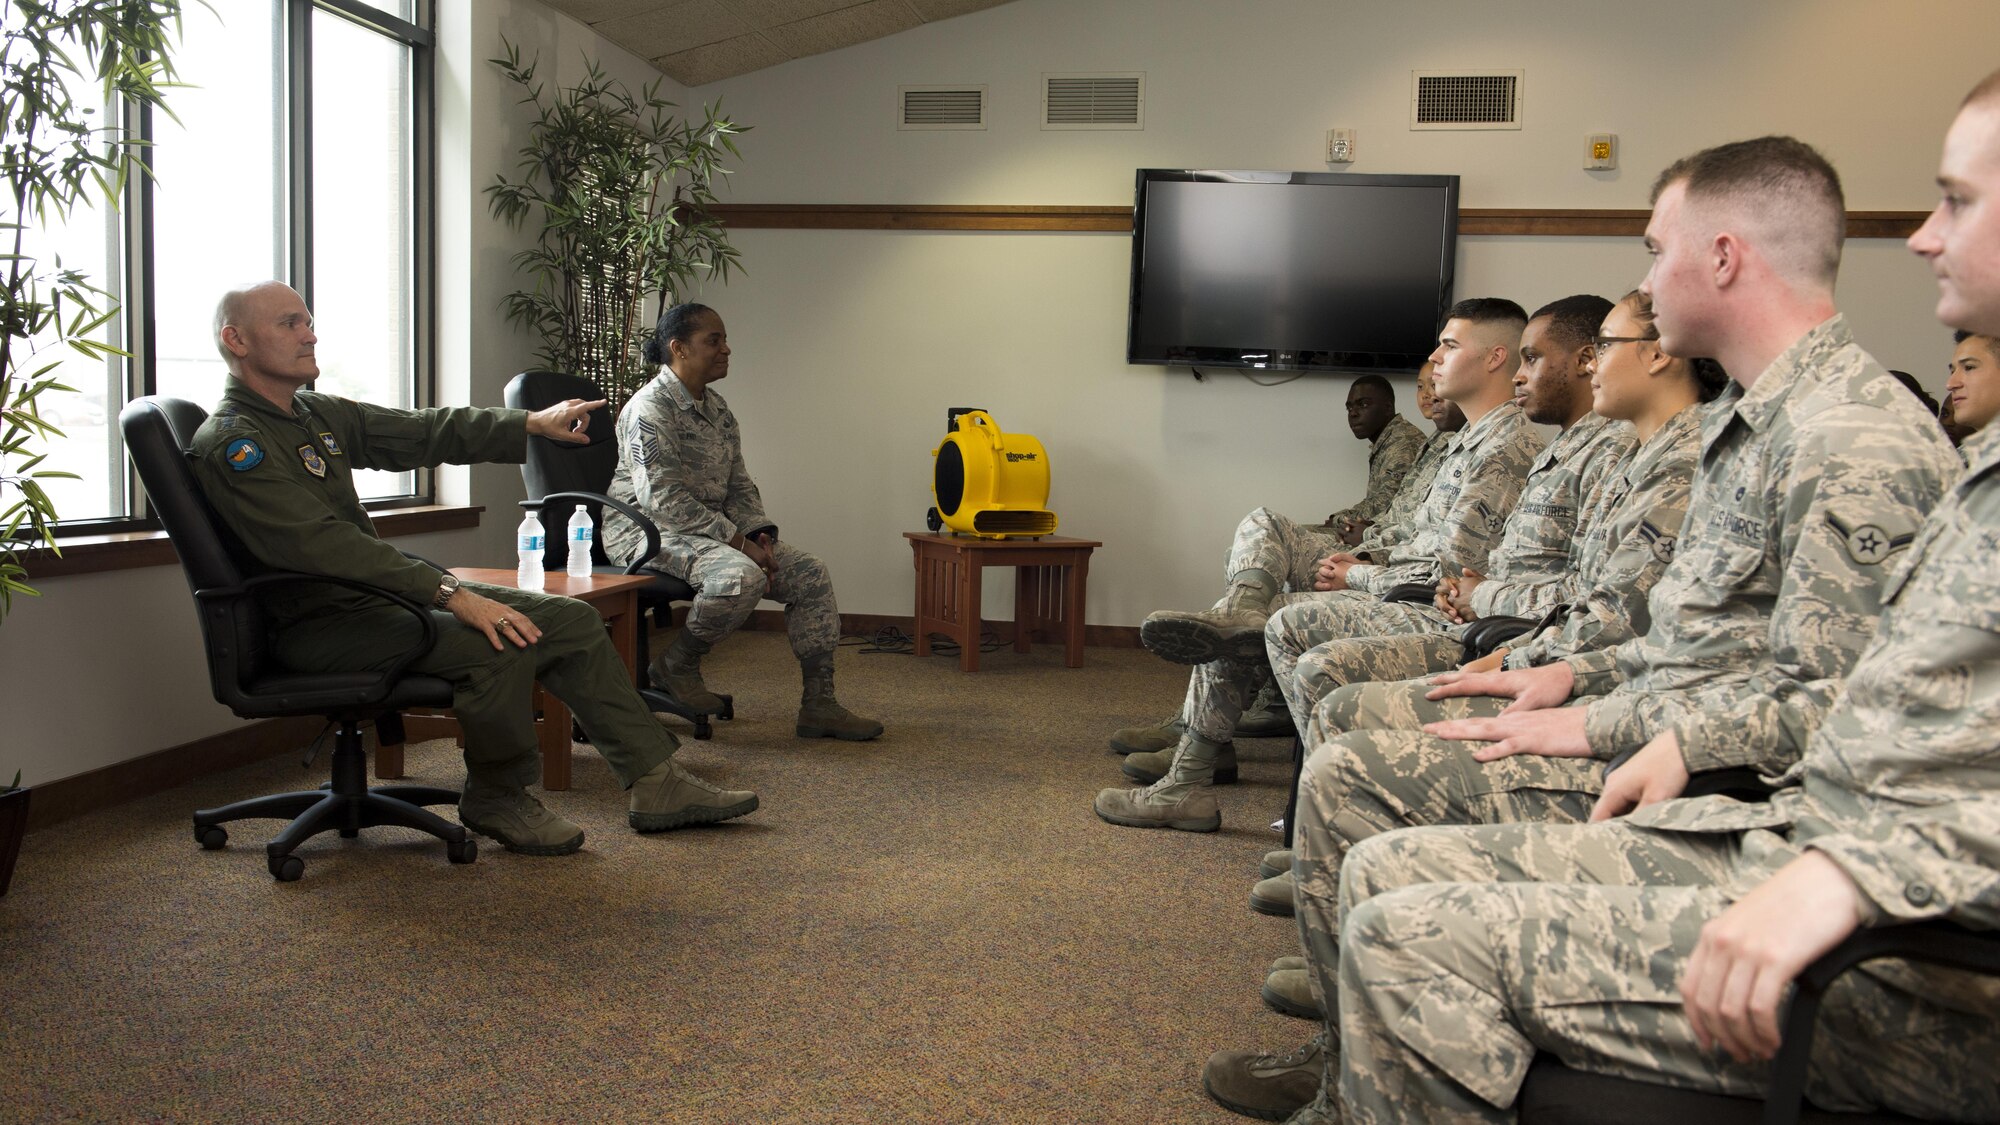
(941, 107)
(1465, 99)
(1094, 101)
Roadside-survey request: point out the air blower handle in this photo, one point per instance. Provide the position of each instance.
(980, 420)
(951, 414)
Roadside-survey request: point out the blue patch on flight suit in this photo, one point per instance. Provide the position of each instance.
(243, 455)
(315, 464)
(332, 446)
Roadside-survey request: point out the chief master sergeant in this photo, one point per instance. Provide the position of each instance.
(277, 463)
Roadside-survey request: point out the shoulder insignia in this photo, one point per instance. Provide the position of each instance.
(244, 454)
(315, 464)
(332, 446)
(1868, 544)
(1661, 543)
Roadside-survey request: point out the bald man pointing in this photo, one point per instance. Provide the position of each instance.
(277, 462)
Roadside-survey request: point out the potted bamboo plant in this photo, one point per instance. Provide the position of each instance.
(621, 188)
(57, 151)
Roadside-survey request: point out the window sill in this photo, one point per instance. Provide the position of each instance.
(96, 554)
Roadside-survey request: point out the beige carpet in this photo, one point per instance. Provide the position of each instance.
(930, 927)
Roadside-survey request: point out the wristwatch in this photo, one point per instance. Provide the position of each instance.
(447, 586)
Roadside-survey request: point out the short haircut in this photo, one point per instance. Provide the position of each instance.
(1374, 382)
(1990, 343)
(676, 323)
(1488, 310)
(1574, 321)
(1710, 380)
(1785, 188)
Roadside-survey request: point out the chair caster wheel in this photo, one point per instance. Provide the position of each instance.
(464, 851)
(211, 837)
(286, 868)
(702, 730)
(728, 708)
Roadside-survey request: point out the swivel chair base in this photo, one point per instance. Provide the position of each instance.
(345, 805)
(661, 702)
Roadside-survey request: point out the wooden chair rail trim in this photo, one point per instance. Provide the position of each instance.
(1586, 223)
(130, 550)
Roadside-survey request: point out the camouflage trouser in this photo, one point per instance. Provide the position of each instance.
(1219, 691)
(1287, 551)
(1356, 660)
(1335, 615)
(1466, 950)
(1390, 705)
(728, 587)
(1367, 782)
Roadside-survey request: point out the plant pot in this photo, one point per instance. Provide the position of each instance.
(13, 826)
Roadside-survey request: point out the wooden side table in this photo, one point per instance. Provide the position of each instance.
(1050, 577)
(616, 599)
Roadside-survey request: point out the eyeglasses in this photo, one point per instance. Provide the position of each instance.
(1602, 342)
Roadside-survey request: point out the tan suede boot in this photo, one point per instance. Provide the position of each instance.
(1163, 735)
(821, 715)
(1178, 800)
(518, 821)
(1148, 768)
(671, 797)
(677, 671)
(1233, 630)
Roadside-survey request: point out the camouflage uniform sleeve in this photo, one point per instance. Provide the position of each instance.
(288, 526)
(1613, 610)
(659, 478)
(1602, 460)
(1936, 861)
(400, 440)
(1597, 671)
(1389, 464)
(1847, 476)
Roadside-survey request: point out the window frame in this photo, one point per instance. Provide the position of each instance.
(136, 261)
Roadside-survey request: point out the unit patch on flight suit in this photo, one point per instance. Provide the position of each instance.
(332, 446)
(244, 454)
(315, 464)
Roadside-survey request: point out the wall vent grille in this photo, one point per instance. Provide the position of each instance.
(1465, 99)
(1094, 101)
(941, 107)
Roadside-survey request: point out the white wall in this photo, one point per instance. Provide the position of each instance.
(850, 345)
(108, 667)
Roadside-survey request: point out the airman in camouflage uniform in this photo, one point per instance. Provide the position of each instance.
(1391, 455)
(681, 463)
(1629, 539)
(1481, 339)
(277, 464)
(1313, 650)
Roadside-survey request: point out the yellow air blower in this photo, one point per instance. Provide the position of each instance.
(989, 484)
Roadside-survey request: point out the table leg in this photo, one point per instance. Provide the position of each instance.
(927, 595)
(1027, 604)
(969, 590)
(1074, 577)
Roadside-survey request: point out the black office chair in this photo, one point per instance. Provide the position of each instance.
(560, 475)
(236, 634)
(1556, 1095)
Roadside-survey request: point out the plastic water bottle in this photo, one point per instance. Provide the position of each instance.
(579, 543)
(528, 540)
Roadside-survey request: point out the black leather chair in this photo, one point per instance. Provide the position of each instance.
(560, 475)
(236, 634)
(1556, 1095)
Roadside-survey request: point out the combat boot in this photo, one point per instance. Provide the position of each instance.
(1287, 990)
(671, 797)
(1273, 896)
(1233, 630)
(518, 821)
(677, 672)
(1178, 800)
(1148, 768)
(1275, 863)
(821, 715)
(1267, 1087)
(1266, 717)
(1163, 735)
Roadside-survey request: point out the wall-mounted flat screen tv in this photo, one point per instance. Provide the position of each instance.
(1312, 271)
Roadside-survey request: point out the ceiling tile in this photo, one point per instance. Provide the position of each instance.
(674, 26)
(945, 9)
(844, 28)
(771, 13)
(597, 11)
(726, 59)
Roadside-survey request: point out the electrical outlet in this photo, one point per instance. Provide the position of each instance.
(1340, 146)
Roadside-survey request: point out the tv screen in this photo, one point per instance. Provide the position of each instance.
(1314, 271)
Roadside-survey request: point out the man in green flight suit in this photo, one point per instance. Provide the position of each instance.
(277, 463)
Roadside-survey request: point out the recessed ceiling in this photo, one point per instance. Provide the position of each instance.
(699, 41)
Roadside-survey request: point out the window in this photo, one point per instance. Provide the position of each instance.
(299, 149)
